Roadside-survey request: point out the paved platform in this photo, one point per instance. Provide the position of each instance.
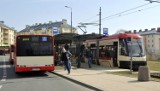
(98, 77)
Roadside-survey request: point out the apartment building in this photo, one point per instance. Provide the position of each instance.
(46, 28)
(151, 42)
(7, 35)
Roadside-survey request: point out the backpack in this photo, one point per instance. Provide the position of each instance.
(64, 57)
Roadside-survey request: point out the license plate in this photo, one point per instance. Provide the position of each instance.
(35, 69)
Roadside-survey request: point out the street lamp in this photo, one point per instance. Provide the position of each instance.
(71, 16)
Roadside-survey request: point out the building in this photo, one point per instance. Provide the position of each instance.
(46, 28)
(7, 35)
(151, 42)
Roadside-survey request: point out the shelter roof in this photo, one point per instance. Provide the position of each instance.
(69, 37)
(89, 36)
(64, 38)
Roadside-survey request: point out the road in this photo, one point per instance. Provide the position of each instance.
(33, 81)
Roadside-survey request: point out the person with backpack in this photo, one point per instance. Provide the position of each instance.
(65, 60)
(68, 53)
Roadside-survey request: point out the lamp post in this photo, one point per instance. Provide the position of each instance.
(71, 16)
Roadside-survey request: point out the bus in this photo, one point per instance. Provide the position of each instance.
(119, 50)
(34, 53)
(12, 52)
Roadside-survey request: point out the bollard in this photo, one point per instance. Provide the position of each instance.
(143, 73)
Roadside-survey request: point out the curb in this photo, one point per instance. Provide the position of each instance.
(78, 82)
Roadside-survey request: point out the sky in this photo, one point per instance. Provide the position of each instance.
(116, 14)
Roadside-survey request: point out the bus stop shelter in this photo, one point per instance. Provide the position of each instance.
(69, 38)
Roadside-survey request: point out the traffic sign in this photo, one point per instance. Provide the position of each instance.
(105, 31)
(54, 30)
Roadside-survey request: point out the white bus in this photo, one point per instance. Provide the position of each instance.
(34, 53)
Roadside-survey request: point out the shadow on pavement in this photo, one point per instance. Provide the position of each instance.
(12, 75)
(135, 81)
(96, 67)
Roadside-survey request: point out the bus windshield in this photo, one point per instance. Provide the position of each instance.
(136, 48)
(34, 46)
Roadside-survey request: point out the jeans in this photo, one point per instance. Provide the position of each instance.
(66, 63)
(69, 65)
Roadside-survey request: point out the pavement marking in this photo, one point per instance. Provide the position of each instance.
(7, 66)
(4, 70)
(0, 86)
(3, 80)
(4, 66)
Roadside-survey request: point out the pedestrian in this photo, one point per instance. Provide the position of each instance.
(65, 59)
(114, 56)
(89, 57)
(68, 53)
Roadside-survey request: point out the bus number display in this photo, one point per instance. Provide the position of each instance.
(25, 39)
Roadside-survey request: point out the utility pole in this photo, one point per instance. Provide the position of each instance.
(97, 56)
(100, 21)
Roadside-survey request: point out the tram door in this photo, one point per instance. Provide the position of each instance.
(93, 51)
(115, 54)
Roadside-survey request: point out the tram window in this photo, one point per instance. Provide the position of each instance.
(102, 51)
(123, 51)
(108, 51)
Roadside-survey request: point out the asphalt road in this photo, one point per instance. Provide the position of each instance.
(33, 81)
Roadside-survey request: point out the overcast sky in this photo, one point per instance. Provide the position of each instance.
(138, 14)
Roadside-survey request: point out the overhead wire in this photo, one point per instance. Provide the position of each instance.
(131, 12)
(117, 14)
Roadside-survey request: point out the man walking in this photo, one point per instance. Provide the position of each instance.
(89, 57)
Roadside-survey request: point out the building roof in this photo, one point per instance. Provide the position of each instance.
(149, 32)
(40, 26)
(45, 25)
(4, 26)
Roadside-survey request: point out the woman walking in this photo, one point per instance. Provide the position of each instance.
(68, 53)
(65, 59)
